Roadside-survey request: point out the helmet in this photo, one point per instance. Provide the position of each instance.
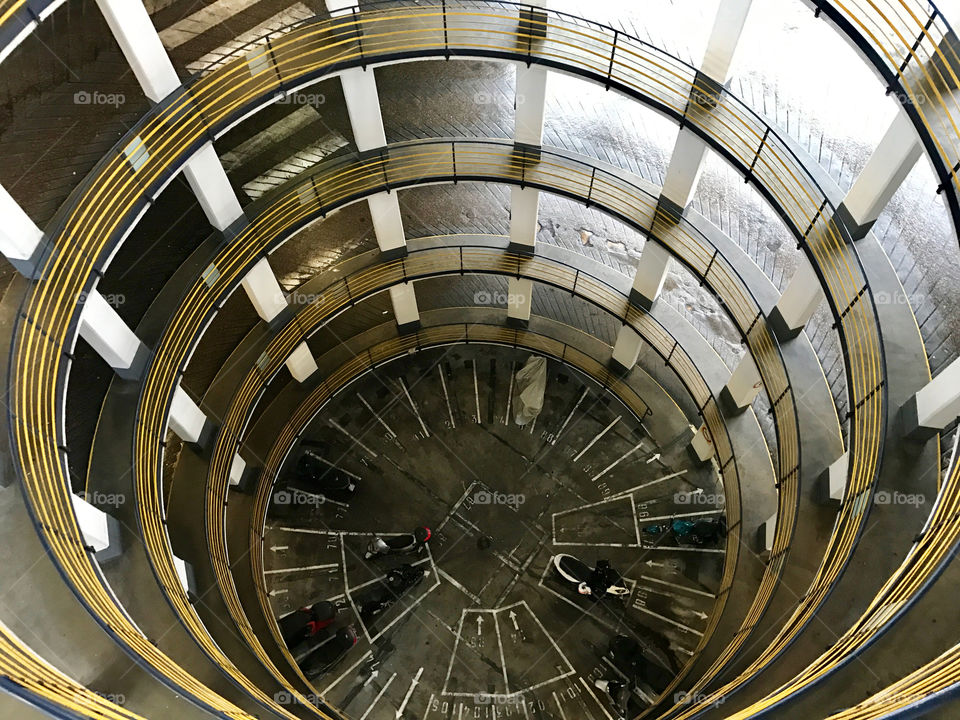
(422, 534)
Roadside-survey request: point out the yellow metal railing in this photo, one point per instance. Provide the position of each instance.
(101, 211)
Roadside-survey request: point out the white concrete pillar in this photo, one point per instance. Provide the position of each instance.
(94, 524)
(627, 347)
(766, 534)
(20, 238)
(387, 223)
(888, 166)
(264, 290)
(798, 302)
(237, 468)
(109, 336)
(404, 301)
(187, 420)
(340, 7)
(832, 482)
(530, 101)
(363, 107)
(524, 209)
(651, 274)
(138, 39)
(301, 363)
(935, 406)
(210, 184)
(519, 300)
(702, 445)
(689, 151)
(744, 384)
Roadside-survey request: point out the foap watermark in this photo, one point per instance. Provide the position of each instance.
(114, 300)
(699, 498)
(486, 297)
(486, 497)
(690, 698)
(298, 497)
(300, 298)
(491, 699)
(885, 497)
(302, 98)
(896, 298)
(102, 499)
(83, 97)
(285, 697)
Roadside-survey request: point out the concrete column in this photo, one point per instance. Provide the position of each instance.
(881, 177)
(21, 241)
(301, 363)
(210, 184)
(626, 348)
(530, 101)
(388, 224)
(340, 7)
(108, 334)
(651, 274)
(404, 301)
(766, 533)
(832, 482)
(519, 299)
(797, 304)
(689, 151)
(138, 39)
(100, 531)
(131, 26)
(743, 386)
(363, 107)
(187, 576)
(701, 446)
(524, 208)
(187, 420)
(264, 290)
(935, 406)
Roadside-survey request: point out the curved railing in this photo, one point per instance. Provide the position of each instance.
(347, 178)
(652, 332)
(102, 210)
(36, 682)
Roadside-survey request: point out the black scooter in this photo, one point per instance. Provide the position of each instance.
(306, 622)
(395, 585)
(406, 544)
(326, 654)
(602, 581)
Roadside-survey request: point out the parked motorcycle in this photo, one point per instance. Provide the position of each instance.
(650, 665)
(395, 585)
(306, 622)
(328, 653)
(699, 532)
(323, 476)
(597, 582)
(406, 544)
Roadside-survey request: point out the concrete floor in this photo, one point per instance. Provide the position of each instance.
(452, 640)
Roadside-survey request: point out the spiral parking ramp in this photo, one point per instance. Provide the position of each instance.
(909, 44)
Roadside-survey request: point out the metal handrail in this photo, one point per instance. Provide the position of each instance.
(99, 213)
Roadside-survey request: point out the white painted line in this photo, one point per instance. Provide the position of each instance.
(334, 466)
(453, 581)
(320, 497)
(567, 420)
(678, 587)
(503, 659)
(406, 698)
(549, 637)
(377, 698)
(349, 671)
(513, 372)
(599, 435)
(429, 705)
(679, 548)
(378, 418)
(616, 462)
(671, 621)
(446, 395)
(648, 484)
(476, 389)
(453, 654)
(356, 440)
(680, 515)
(298, 569)
(595, 699)
(636, 521)
(563, 715)
(413, 405)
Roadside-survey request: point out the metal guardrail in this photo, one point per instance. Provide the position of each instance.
(100, 212)
(347, 178)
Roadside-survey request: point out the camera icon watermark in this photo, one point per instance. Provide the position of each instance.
(885, 497)
(486, 497)
(486, 297)
(298, 497)
(492, 699)
(102, 499)
(84, 97)
(699, 498)
(684, 697)
(302, 98)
